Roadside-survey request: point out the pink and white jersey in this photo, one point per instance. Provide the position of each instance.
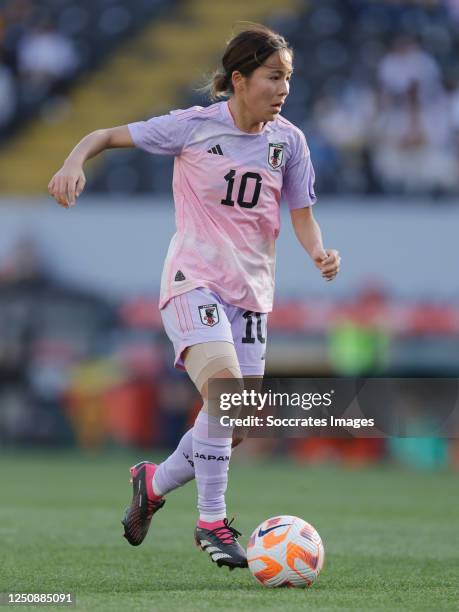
(227, 189)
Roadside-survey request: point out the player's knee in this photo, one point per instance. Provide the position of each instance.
(216, 360)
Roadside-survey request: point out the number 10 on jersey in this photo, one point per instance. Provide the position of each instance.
(245, 179)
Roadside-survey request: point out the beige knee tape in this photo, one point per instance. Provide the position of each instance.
(205, 360)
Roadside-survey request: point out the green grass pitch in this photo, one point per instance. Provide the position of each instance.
(391, 537)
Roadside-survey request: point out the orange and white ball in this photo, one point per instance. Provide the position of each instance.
(285, 551)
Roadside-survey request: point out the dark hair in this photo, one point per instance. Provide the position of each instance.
(245, 52)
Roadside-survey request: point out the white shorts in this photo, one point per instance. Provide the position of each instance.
(201, 315)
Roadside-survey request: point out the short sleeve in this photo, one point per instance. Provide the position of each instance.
(163, 135)
(299, 177)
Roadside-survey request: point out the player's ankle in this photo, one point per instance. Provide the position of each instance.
(211, 524)
(153, 491)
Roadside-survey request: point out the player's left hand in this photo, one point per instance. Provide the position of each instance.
(328, 261)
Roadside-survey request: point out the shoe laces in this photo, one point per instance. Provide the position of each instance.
(225, 533)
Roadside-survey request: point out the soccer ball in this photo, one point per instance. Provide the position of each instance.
(285, 551)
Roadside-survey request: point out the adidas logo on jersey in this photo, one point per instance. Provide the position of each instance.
(179, 276)
(217, 150)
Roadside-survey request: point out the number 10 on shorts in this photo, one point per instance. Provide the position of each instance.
(249, 332)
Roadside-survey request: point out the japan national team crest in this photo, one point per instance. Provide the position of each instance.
(275, 155)
(209, 314)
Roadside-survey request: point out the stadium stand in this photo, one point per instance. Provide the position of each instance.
(376, 90)
(376, 86)
(46, 45)
(148, 73)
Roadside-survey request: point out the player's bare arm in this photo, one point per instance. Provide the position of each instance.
(308, 232)
(68, 182)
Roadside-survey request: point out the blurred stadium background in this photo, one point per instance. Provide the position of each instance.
(84, 362)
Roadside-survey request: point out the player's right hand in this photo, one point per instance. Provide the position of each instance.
(67, 184)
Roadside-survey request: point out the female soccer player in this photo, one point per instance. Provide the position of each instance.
(234, 161)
